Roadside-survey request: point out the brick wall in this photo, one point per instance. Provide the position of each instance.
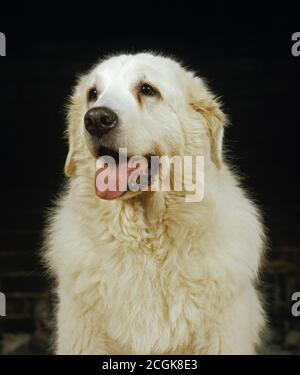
(26, 326)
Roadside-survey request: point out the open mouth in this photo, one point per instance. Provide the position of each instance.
(104, 151)
(117, 172)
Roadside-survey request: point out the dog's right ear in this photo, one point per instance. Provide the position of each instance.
(73, 120)
(69, 164)
(75, 110)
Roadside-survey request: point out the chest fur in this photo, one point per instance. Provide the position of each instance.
(141, 293)
(146, 284)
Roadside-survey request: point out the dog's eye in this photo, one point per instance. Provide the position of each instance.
(147, 90)
(92, 95)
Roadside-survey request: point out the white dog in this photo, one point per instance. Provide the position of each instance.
(146, 272)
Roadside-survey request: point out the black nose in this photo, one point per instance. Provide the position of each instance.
(100, 120)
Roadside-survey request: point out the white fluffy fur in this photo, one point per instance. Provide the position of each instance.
(153, 274)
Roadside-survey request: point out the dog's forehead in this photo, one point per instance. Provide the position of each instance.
(140, 66)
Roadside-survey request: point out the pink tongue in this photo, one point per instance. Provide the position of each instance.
(111, 181)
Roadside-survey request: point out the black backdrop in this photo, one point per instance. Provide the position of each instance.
(247, 60)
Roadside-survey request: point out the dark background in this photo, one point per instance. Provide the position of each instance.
(246, 59)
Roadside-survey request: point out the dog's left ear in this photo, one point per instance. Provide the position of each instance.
(203, 102)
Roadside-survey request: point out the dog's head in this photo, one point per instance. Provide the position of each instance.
(147, 105)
